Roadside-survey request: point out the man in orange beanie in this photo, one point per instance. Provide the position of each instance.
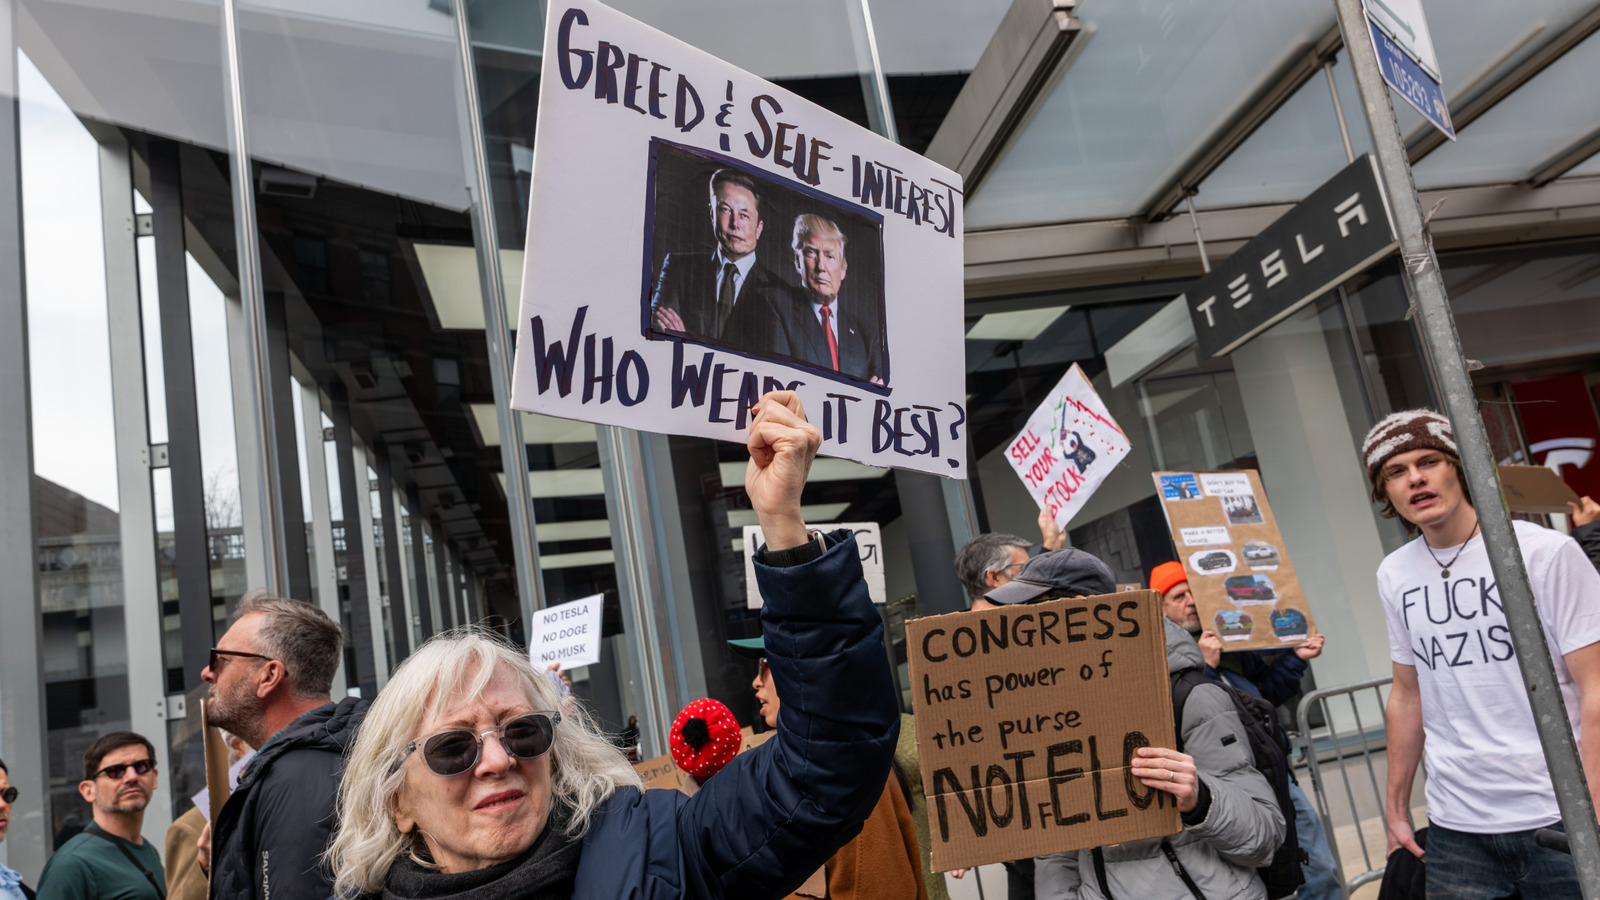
(1275, 677)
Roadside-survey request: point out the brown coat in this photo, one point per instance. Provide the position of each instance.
(883, 862)
(185, 881)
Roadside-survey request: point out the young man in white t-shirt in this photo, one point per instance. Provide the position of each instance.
(1457, 685)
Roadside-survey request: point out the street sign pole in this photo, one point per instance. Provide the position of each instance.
(1421, 268)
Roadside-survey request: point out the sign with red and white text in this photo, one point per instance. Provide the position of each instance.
(1068, 447)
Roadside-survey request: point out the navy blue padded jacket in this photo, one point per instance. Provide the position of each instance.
(774, 815)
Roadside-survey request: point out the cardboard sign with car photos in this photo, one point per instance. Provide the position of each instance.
(1027, 717)
(1245, 588)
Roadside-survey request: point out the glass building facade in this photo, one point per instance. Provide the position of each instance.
(258, 260)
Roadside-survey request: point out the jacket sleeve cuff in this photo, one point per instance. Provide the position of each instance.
(794, 556)
(1202, 807)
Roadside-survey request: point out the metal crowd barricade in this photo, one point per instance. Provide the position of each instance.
(1345, 747)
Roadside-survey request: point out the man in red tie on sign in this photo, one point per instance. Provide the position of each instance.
(816, 330)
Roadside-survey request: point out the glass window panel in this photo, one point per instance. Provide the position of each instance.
(1149, 86)
(1591, 166)
(1478, 41)
(919, 37)
(1293, 152)
(1559, 107)
(79, 551)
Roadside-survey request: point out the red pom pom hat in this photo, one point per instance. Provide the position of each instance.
(705, 737)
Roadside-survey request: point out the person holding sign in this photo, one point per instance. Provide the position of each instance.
(1458, 689)
(884, 860)
(465, 780)
(816, 328)
(1274, 676)
(1231, 820)
(725, 295)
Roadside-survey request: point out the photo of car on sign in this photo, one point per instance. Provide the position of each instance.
(1233, 625)
(1260, 556)
(1247, 590)
(1213, 561)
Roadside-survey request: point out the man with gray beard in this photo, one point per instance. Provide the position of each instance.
(111, 860)
(270, 678)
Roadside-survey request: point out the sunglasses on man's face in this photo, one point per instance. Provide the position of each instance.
(139, 767)
(217, 656)
(456, 752)
(9, 795)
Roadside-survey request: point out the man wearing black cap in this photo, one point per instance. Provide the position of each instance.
(1230, 815)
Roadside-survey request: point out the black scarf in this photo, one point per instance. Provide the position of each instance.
(544, 872)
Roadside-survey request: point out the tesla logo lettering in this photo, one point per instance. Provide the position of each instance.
(1574, 452)
(1351, 208)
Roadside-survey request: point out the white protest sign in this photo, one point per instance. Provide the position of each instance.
(568, 634)
(1068, 447)
(869, 544)
(698, 236)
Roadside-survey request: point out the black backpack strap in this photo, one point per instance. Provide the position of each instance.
(1182, 683)
(161, 890)
(1100, 872)
(1172, 857)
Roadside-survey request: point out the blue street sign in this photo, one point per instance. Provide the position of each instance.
(1416, 86)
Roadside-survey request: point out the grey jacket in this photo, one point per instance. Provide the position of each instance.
(1240, 832)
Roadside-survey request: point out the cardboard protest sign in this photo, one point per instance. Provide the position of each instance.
(1068, 447)
(869, 546)
(216, 754)
(568, 633)
(1026, 719)
(1535, 489)
(1245, 588)
(698, 236)
(662, 772)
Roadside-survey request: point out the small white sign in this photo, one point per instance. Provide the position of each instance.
(869, 543)
(1068, 447)
(568, 634)
(1225, 484)
(1205, 536)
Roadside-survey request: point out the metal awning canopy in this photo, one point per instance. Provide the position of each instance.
(1087, 123)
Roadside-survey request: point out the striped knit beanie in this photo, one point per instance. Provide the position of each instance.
(1402, 432)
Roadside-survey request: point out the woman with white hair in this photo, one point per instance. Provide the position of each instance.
(469, 780)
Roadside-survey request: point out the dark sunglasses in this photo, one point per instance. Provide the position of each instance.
(217, 656)
(455, 752)
(139, 767)
(9, 795)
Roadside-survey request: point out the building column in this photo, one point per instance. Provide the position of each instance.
(22, 732)
(1312, 472)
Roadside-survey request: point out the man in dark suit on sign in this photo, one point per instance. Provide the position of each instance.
(816, 329)
(724, 296)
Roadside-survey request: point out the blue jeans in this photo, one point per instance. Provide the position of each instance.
(1322, 877)
(1493, 866)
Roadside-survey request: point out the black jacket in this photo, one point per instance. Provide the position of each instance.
(800, 337)
(269, 837)
(688, 284)
(1588, 537)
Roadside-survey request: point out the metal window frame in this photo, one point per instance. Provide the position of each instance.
(326, 573)
(351, 500)
(399, 591)
(422, 565)
(497, 332)
(361, 461)
(191, 544)
(141, 587)
(22, 737)
(1027, 53)
(1273, 92)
